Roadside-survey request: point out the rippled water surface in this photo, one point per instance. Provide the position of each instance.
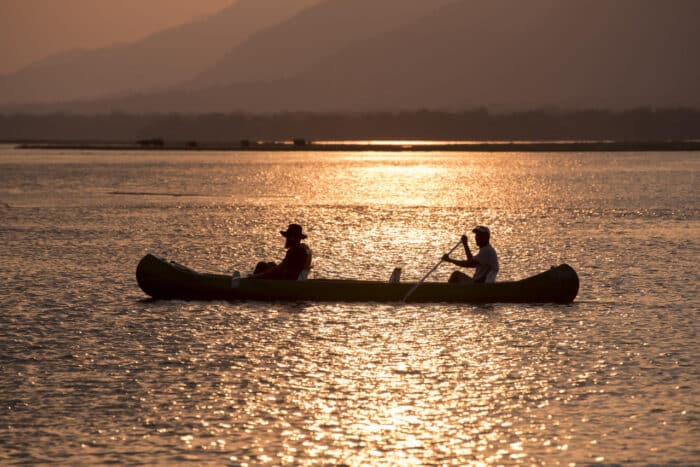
(93, 373)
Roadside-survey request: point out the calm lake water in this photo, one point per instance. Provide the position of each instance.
(92, 373)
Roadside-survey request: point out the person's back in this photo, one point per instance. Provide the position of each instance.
(485, 261)
(297, 259)
(487, 270)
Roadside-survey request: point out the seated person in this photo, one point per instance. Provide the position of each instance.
(485, 262)
(297, 259)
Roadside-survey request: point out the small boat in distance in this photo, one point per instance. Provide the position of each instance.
(167, 280)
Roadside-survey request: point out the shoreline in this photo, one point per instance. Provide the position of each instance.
(578, 146)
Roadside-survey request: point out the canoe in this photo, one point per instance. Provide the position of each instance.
(166, 280)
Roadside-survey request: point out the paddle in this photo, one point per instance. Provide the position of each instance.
(413, 289)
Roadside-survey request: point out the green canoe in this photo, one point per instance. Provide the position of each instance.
(162, 279)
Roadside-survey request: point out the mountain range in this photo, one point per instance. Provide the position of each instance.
(369, 55)
(158, 61)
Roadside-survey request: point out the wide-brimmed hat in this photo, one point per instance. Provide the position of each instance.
(293, 231)
(481, 229)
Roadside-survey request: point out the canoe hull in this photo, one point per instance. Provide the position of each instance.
(165, 280)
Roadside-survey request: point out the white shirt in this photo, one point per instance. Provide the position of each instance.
(487, 269)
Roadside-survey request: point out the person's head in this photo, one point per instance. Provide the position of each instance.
(293, 235)
(482, 234)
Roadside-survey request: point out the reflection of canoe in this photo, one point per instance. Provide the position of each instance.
(166, 280)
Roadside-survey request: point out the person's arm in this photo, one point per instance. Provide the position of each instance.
(288, 269)
(289, 264)
(273, 273)
(270, 273)
(471, 261)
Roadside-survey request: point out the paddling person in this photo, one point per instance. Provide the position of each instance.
(297, 259)
(485, 262)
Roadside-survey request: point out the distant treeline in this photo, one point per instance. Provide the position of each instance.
(478, 125)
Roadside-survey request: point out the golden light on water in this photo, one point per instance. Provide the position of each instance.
(123, 380)
(400, 179)
(386, 403)
(409, 143)
(399, 183)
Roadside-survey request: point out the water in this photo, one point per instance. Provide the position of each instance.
(91, 373)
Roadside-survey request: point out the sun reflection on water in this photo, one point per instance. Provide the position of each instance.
(96, 375)
(396, 402)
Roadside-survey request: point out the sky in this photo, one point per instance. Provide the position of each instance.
(34, 29)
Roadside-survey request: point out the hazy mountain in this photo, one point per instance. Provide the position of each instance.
(160, 60)
(497, 53)
(35, 29)
(285, 50)
(505, 54)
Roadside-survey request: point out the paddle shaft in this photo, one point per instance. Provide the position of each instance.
(413, 289)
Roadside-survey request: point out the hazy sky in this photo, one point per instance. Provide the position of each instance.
(33, 29)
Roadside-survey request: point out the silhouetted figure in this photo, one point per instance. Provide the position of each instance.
(485, 262)
(297, 259)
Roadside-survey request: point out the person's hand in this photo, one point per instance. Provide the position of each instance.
(465, 240)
